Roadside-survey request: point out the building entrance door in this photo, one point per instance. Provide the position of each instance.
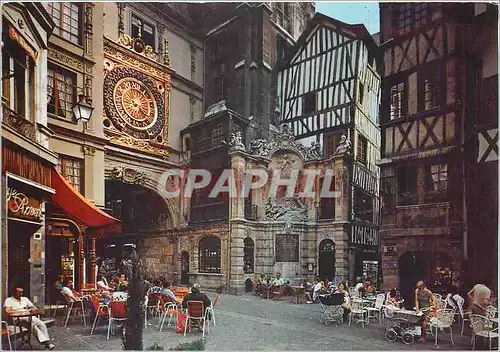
(412, 268)
(327, 260)
(184, 268)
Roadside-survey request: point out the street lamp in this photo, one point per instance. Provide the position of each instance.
(82, 110)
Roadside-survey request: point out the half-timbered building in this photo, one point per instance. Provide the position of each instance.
(426, 104)
(329, 89)
(482, 159)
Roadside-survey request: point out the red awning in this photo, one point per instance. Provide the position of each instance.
(77, 206)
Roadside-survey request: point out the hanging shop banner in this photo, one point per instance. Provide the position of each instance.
(21, 206)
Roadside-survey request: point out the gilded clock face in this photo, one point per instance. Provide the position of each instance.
(135, 104)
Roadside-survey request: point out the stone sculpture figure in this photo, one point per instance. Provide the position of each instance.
(314, 151)
(345, 145)
(236, 141)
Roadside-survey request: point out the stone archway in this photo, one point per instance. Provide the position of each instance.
(128, 175)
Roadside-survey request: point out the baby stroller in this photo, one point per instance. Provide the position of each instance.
(404, 324)
(331, 305)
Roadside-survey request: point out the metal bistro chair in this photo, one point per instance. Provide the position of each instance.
(102, 311)
(210, 310)
(443, 320)
(6, 332)
(481, 326)
(117, 312)
(75, 305)
(167, 308)
(358, 310)
(464, 316)
(378, 306)
(196, 312)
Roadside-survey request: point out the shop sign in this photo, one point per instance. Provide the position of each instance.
(364, 235)
(15, 35)
(22, 206)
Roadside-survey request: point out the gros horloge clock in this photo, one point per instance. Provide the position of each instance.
(133, 104)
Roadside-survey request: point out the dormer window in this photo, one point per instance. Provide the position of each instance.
(144, 30)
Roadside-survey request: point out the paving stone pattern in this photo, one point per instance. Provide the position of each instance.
(251, 323)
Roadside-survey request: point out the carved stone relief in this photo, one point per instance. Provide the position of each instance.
(127, 175)
(284, 140)
(291, 210)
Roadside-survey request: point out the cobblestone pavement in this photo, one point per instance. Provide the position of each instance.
(252, 323)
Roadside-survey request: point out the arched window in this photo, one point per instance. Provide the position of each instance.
(248, 253)
(210, 255)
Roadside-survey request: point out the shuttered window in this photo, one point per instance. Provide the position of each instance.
(362, 150)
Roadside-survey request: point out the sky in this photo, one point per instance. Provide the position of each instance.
(352, 12)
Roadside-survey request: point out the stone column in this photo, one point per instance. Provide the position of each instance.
(236, 278)
(37, 264)
(237, 203)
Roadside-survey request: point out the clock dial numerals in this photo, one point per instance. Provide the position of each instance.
(135, 104)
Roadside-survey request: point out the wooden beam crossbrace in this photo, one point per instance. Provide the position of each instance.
(492, 146)
(405, 134)
(430, 131)
(430, 41)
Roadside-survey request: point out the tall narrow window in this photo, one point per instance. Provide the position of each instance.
(309, 103)
(430, 90)
(407, 185)
(17, 72)
(61, 92)
(210, 260)
(362, 150)
(398, 100)
(248, 255)
(72, 170)
(144, 30)
(67, 17)
(361, 93)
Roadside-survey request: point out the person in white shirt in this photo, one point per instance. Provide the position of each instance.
(17, 303)
(359, 284)
(278, 281)
(317, 289)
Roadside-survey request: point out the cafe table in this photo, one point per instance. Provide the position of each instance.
(25, 313)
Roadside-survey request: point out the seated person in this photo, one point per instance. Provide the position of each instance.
(156, 288)
(196, 295)
(393, 300)
(75, 296)
(167, 292)
(16, 303)
(347, 304)
(371, 291)
(278, 281)
(318, 287)
(102, 286)
(261, 285)
(480, 299)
